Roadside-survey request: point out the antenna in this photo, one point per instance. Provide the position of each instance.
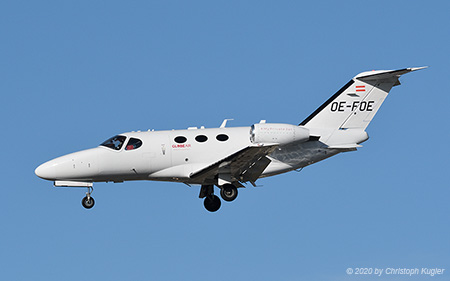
(224, 123)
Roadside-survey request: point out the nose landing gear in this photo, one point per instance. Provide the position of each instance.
(88, 201)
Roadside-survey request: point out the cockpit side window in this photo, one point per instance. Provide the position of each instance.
(133, 144)
(115, 142)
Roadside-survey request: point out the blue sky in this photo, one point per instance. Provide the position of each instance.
(74, 73)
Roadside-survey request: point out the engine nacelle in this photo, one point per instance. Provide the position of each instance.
(278, 133)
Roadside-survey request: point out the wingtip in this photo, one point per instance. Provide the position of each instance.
(417, 68)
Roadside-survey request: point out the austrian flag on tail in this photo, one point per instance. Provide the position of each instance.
(361, 88)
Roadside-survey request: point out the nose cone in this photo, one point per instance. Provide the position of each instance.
(46, 171)
(79, 165)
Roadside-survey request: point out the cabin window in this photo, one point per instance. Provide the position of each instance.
(133, 144)
(222, 137)
(201, 138)
(115, 142)
(180, 139)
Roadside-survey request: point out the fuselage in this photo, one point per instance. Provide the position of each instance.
(170, 156)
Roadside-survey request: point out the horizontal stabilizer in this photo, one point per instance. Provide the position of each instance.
(386, 75)
(345, 146)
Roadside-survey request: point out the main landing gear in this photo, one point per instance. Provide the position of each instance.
(228, 192)
(212, 203)
(88, 201)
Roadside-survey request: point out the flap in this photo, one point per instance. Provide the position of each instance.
(245, 165)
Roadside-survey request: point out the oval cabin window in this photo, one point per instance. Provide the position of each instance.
(201, 138)
(222, 137)
(180, 139)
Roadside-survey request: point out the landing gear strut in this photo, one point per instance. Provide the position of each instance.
(212, 202)
(88, 201)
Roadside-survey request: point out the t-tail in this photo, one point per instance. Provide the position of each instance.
(341, 121)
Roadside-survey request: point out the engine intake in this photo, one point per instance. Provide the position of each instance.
(278, 133)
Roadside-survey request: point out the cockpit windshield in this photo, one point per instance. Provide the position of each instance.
(115, 142)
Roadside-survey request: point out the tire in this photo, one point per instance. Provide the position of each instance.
(212, 203)
(228, 192)
(88, 204)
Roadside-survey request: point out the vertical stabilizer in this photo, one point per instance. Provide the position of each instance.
(355, 104)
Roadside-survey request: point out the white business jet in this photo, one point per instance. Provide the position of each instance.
(229, 157)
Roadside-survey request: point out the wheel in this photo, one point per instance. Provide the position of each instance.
(228, 192)
(88, 203)
(212, 203)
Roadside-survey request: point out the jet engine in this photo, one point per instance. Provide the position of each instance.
(278, 133)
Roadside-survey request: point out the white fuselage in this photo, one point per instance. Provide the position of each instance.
(161, 158)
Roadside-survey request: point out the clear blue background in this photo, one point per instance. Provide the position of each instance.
(74, 73)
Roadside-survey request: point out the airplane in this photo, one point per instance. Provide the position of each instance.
(229, 157)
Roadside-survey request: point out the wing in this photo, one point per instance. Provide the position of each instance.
(243, 166)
